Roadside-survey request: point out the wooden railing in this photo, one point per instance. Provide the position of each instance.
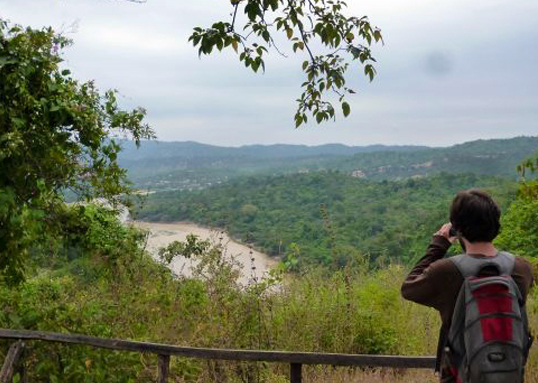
(165, 351)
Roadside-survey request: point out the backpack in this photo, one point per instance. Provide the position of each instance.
(488, 340)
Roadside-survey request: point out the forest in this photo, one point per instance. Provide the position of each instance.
(346, 241)
(329, 217)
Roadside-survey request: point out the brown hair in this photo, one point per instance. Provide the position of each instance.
(475, 215)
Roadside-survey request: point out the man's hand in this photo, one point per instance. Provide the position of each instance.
(444, 231)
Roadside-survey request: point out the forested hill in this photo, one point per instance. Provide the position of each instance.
(325, 217)
(482, 157)
(190, 165)
(190, 149)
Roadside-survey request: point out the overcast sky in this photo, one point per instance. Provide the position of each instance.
(450, 71)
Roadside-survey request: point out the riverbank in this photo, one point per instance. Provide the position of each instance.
(255, 263)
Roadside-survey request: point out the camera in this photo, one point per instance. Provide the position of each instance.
(453, 232)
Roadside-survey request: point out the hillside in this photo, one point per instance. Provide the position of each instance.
(325, 218)
(482, 157)
(190, 149)
(189, 165)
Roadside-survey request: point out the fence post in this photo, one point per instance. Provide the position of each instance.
(12, 358)
(164, 368)
(295, 372)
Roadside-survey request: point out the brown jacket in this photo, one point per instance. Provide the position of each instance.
(435, 282)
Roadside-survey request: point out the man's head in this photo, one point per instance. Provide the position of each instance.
(475, 216)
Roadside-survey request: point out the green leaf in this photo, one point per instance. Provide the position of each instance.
(289, 33)
(301, 22)
(18, 122)
(346, 109)
(5, 60)
(369, 71)
(298, 120)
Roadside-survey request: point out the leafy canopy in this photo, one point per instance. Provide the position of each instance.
(56, 134)
(529, 185)
(305, 24)
(519, 230)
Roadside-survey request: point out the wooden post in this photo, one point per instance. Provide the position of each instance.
(295, 372)
(164, 368)
(12, 358)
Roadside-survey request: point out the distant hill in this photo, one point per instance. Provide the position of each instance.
(189, 165)
(158, 165)
(190, 149)
(497, 157)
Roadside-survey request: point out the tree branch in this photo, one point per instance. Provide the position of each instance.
(234, 16)
(301, 30)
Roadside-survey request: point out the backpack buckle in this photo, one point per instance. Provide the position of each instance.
(496, 357)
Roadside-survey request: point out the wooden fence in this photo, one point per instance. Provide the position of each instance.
(165, 351)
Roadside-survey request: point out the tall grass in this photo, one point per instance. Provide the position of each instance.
(353, 310)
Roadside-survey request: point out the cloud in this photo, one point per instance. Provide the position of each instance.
(449, 72)
(130, 39)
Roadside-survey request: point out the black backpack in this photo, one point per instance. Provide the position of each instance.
(489, 339)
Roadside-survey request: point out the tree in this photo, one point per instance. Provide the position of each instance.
(519, 229)
(303, 23)
(529, 188)
(519, 232)
(56, 134)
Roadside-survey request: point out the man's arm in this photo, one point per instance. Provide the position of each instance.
(523, 276)
(422, 284)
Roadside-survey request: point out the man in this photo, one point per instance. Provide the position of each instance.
(435, 281)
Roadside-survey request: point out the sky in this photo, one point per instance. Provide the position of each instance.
(450, 71)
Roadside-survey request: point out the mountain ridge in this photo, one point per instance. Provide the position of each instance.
(166, 149)
(191, 165)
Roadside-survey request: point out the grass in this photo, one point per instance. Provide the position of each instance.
(355, 310)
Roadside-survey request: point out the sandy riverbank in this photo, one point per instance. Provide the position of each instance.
(161, 234)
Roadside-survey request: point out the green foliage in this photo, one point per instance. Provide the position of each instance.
(303, 23)
(55, 134)
(529, 165)
(95, 228)
(520, 228)
(68, 293)
(191, 247)
(325, 218)
(138, 299)
(352, 310)
(529, 188)
(292, 258)
(54, 305)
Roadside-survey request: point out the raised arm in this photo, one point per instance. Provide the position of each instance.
(422, 285)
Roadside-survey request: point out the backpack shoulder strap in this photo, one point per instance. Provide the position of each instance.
(469, 266)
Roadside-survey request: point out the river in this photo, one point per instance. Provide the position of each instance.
(161, 234)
